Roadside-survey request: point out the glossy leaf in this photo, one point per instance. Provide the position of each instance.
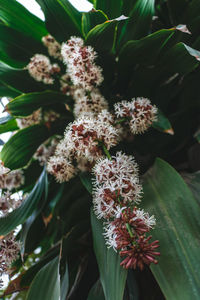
(169, 199)
(144, 51)
(7, 91)
(46, 284)
(16, 16)
(18, 80)
(62, 19)
(112, 275)
(138, 25)
(173, 59)
(19, 215)
(193, 181)
(96, 292)
(112, 7)
(11, 125)
(86, 181)
(163, 124)
(91, 19)
(16, 48)
(25, 104)
(19, 149)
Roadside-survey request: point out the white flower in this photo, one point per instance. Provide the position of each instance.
(80, 64)
(54, 48)
(150, 222)
(82, 137)
(3, 170)
(34, 118)
(8, 203)
(89, 104)
(9, 252)
(41, 69)
(61, 168)
(46, 150)
(140, 114)
(51, 116)
(12, 180)
(110, 235)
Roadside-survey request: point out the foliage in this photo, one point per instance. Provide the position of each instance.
(152, 52)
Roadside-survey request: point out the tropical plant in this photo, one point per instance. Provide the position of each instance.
(83, 88)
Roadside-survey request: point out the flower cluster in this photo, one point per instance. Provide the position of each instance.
(116, 192)
(89, 104)
(9, 252)
(46, 150)
(80, 64)
(139, 114)
(12, 180)
(41, 69)
(95, 130)
(34, 118)
(53, 46)
(8, 203)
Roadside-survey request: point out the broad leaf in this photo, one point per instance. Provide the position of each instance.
(168, 198)
(62, 19)
(17, 152)
(96, 292)
(11, 125)
(46, 284)
(177, 10)
(111, 7)
(25, 104)
(91, 19)
(19, 215)
(138, 25)
(86, 181)
(16, 48)
(163, 124)
(16, 16)
(193, 181)
(18, 80)
(112, 275)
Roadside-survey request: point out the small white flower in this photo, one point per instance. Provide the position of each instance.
(54, 48)
(12, 180)
(3, 170)
(110, 235)
(34, 118)
(61, 168)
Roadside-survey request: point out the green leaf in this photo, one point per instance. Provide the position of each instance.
(139, 23)
(16, 16)
(46, 284)
(112, 275)
(111, 7)
(91, 19)
(5, 119)
(86, 181)
(18, 80)
(173, 59)
(169, 199)
(163, 124)
(144, 51)
(25, 104)
(16, 48)
(96, 292)
(64, 283)
(62, 19)
(193, 181)
(19, 149)
(19, 215)
(11, 125)
(177, 10)
(6, 91)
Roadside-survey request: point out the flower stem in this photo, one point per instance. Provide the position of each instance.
(107, 153)
(121, 121)
(129, 229)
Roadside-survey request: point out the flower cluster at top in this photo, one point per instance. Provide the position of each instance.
(85, 146)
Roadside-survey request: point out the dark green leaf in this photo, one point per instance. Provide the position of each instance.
(112, 275)
(173, 59)
(18, 80)
(86, 181)
(25, 104)
(19, 215)
(163, 124)
(6, 91)
(91, 19)
(168, 197)
(139, 23)
(64, 284)
(62, 19)
(11, 125)
(111, 7)
(18, 151)
(96, 292)
(193, 181)
(177, 10)
(16, 16)
(46, 284)
(16, 48)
